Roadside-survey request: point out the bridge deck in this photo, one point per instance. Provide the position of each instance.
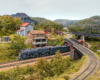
(92, 35)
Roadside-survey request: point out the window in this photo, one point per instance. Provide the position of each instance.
(42, 35)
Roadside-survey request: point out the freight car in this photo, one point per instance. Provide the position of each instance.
(40, 52)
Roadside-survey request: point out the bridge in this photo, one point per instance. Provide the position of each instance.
(92, 61)
(89, 32)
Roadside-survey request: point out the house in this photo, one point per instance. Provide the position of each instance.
(37, 38)
(47, 30)
(25, 18)
(58, 32)
(24, 29)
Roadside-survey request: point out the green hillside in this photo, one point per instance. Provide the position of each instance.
(43, 20)
(92, 21)
(47, 24)
(82, 24)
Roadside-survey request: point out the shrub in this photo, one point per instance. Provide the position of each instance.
(20, 77)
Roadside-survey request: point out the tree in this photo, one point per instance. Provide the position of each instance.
(52, 31)
(17, 22)
(17, 43)
(34, 27)
(20, 77)
(58, 63)
(8, 25)
(43, 68)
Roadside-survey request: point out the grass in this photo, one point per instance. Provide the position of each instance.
(71, 71)
(94, 46)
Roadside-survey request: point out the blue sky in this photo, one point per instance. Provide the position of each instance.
(52, 9)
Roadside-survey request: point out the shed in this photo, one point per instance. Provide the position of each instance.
(6, 38)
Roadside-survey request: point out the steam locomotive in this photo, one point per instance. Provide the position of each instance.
(43, 51)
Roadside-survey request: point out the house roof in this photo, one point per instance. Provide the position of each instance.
(24, 24)
(23, 15)
(20, 30)
(37, 31)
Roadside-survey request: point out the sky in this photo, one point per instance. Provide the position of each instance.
(52, 9)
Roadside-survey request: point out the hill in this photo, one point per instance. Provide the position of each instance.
(66, 22)
(44, 21)
(46, 24)
(82, 24)
(92, 21)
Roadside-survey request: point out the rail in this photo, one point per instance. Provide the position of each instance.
(92, 64)
(14, 63)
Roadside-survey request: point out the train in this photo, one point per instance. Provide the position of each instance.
(41, 52)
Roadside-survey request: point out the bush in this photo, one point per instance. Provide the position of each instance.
(20, 77)
(43, 69)
(66, 77)
(94, 48)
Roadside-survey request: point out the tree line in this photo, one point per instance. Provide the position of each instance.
(8, 24)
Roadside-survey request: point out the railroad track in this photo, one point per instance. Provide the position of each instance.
(86, 45)
(14, 63)
(92, 64)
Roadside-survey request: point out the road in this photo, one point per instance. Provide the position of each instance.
(68, 35)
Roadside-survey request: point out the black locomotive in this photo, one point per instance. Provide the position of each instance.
(43, 51)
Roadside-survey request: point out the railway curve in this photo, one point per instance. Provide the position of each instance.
(92, 61)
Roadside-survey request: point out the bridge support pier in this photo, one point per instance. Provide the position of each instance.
(83, 38)
(74, 54)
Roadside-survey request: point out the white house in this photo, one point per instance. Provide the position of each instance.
(24, 29)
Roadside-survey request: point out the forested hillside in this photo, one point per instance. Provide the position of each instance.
(47, 24)
(89, 22)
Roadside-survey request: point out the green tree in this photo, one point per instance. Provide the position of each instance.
(8, 25)
(59, 64)
(52, 31)
(17, 43)
(34, 27)
(20, 77)
(43, 68)
(17, 22)
(59, 40)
